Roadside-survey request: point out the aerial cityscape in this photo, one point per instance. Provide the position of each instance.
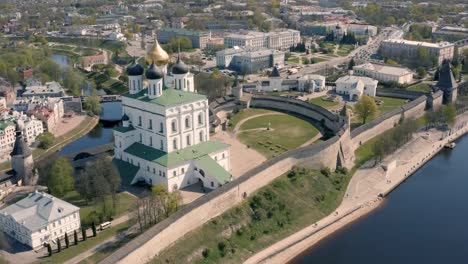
(203, 131)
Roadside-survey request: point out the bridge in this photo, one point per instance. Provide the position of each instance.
(105, 98)
(79, 159)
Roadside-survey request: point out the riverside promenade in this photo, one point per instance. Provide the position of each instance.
(365, 191)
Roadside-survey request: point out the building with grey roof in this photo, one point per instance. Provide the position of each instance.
(39, 218)
(384, 73)
(49, 89)
(249, 60)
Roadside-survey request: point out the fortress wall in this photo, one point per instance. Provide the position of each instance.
(366, 132)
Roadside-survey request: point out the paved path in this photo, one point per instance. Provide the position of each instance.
(362, 194)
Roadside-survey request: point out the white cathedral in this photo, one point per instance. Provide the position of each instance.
(164, 137)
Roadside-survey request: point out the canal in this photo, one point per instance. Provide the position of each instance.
(423, 221)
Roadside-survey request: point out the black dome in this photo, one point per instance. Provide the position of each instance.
(135, 69)
(125, 117)
(180, 67)
(154, 72)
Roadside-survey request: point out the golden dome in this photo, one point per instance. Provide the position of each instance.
(157, 54)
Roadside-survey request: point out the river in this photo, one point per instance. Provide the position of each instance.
(102, 133)
(423, 221)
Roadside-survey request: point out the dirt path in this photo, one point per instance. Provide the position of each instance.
(238, 125)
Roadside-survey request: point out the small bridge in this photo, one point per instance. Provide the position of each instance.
(79, 159)
(106, 98)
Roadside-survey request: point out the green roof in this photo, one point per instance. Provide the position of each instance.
(175, 157)
(126, 170)
(214, 169)
(124, 129)
(5, 124)
(170, 97)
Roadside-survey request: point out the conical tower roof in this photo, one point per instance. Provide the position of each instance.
(446, 79)
(20, 148)
(275, 72)
(157, 54)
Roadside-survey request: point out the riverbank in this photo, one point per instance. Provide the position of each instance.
(362, 196)
(80, 130)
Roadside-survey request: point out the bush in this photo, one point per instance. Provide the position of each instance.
(341, 170)
(206, 253)
(46, 139)
(325, 172)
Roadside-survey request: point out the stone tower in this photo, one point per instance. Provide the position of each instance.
(236, 89)
(447, 83)
(22, 161)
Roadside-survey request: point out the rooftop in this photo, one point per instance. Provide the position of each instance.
(419, 43)
(354, 79)
(214, 169)
(175, 157)
(169, 97)
(385, 69)
(38, 209)
(183, 31)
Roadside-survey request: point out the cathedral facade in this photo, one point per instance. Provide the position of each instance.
(165, 136)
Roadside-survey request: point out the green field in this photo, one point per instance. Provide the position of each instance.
(124, 202)
(294, 59)
(389, 104)
(293, 201)
(317, 59)
(245, 113)
(323, 103)
(287, 132)
(420, 87)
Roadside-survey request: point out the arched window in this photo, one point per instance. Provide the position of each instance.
(161, 147)
(187, 122)
(150, 125)
(180, 84)
(161, 127)
(133, 86)
(200, 119)
(139, 86)
(224, 156)
(174, 173)
(141, 138)
(139, 121)
(202, 173)
(174, 143)
(183, 170)
(201, 136)
(188, 140)
(174, 126)
(151, 141)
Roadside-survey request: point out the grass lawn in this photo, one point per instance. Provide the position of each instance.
(388, 105)
(244, 113)
(344, 50)
(100, 255)
(287, 132)
(420, 87)
(72, 251)
(323, 103)
(317, 59)
(294, 59)
(125, 202)
(293, 201)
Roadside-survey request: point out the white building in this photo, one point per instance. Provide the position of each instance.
(249, 60)
(31, 129)
(38, 219)
(356, 86)
(384, 73)
(165, 133)
(279, 39)
(362, 30)
(49, 110)
(409, 49)
(308, 83)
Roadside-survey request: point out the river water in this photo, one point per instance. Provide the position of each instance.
(423, 221)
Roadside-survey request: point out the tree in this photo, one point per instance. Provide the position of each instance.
(93, 228)
(92, 105)
(100, 180)
(59, 245)
(60, 177)
(67, 242)
(421, 72)
(366, 108)
(46, 139)
(75, 237)
(49, 249)
(351, 64)
(83, 233)
(450, 114)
